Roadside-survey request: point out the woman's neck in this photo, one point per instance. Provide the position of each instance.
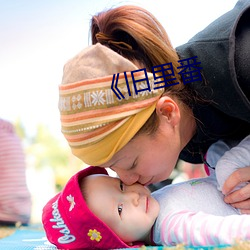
(187, 126)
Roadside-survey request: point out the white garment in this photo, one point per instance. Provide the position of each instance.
(194, 212)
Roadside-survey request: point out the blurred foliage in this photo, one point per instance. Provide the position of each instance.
(20, 130)
(45, 150)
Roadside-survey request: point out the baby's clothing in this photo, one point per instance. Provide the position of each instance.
(194, 212)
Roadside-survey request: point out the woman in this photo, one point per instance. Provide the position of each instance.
(150, 122)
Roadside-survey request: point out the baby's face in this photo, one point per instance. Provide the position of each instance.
(130, 211)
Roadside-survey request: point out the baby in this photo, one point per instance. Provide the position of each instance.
(96, 211)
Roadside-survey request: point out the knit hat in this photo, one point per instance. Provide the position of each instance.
(101, 111)
(69, 223)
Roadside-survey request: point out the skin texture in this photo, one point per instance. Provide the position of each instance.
(148, 164)
(130, 211)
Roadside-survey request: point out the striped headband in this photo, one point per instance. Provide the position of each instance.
(101, 110)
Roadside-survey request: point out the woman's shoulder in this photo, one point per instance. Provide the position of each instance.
(215, 49)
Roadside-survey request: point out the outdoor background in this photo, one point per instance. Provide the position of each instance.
(36, 39)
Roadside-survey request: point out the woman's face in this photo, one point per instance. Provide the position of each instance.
(147, 159)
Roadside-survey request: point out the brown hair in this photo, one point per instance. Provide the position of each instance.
(137, 35)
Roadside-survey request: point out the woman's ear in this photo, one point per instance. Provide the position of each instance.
(168, 110)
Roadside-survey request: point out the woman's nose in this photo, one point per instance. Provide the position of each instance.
(126, 177)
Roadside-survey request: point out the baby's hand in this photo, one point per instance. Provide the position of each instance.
(240, 198)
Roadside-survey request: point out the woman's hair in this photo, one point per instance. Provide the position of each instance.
(135, 34)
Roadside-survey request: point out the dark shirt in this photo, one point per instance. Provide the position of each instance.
(225, 84)
(212, 125)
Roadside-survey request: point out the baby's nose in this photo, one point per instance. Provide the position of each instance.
(133, 198)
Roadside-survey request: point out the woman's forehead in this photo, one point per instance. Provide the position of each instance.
(129, 152)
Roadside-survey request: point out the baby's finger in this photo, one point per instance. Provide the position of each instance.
(244, 206)
(240, 195)
(245, 211)
(237, 177)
